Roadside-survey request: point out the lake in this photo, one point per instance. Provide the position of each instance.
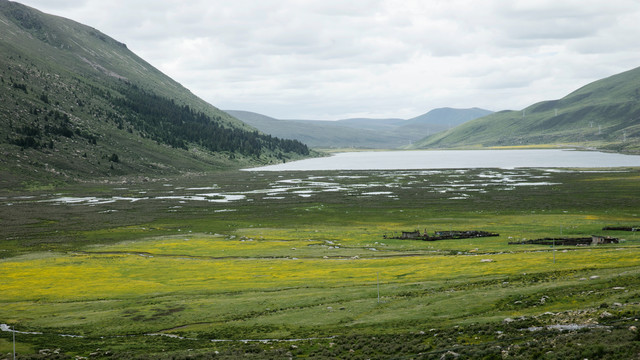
(459, 159)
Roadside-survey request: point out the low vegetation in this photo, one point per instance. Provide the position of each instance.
(273, 265)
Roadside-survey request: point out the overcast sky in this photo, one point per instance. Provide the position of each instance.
(332, 59)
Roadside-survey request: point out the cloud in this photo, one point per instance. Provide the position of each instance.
(378, 58)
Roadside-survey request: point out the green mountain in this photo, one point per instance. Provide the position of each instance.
(361, 132)
(604, 114)
(447, 117)
(438, 120)
(76, 104)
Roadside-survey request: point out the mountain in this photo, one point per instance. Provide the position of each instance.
(76, 104)
(448, 116)
(603, 114)
(441, 119)
(360, 132)
(319, 133)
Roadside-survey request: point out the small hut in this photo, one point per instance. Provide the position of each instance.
(411, 234)
(599, 240)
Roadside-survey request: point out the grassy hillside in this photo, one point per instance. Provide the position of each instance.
(605, 114)
(361, 132)
(76, 104)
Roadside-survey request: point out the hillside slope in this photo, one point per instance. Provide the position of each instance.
(361, 132)
(604, 114)
(76, 104)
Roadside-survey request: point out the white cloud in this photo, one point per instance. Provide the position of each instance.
(377, 58)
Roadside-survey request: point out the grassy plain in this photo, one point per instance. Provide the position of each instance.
(213, 267)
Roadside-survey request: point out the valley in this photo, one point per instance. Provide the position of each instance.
(130, 232)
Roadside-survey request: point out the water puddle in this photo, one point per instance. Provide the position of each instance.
(7, 328)
(457, 184)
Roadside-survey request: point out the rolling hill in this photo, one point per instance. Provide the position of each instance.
(361, 132)
(603, 114)
(76, 104)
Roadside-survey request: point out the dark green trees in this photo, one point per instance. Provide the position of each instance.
(165, 121)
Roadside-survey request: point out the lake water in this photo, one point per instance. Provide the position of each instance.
(459, 159)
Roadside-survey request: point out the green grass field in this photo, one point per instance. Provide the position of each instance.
(278, 265)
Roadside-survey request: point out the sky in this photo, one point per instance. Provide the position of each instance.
(336, 59)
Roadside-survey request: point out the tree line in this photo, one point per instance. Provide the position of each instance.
(163, 120)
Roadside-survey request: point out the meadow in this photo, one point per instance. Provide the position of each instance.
(302, 264)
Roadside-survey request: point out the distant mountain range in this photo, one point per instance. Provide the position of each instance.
(604, 114)
(361, 132)
(77, 104)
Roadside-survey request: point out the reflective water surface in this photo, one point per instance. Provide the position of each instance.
(459, 159)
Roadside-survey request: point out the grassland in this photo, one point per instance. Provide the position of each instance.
(276, 265)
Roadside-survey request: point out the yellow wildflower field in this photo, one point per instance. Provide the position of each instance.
(133, 272)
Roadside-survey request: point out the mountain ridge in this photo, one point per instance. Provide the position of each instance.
(361, 132)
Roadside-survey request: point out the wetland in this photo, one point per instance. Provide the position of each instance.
(273, 264)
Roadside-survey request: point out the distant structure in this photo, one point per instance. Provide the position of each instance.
(622, 228)
(441, 235)
(593, 240)
(411, 234)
